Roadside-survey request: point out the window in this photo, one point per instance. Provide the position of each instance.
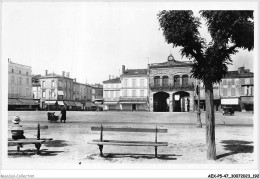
(233, 91)
(106, 94)
(134, 93)
(125, 93)
(27, 81)
(12, 70)
(233, 81)
(20, 90)
(52, 94)
(20, 72)
(125, 82)
(134, 82)
(247, 81)
(43, 84)
(142, 82)
(112, 94)
(165, 80)
(224, 82)
(156, 81)
(27, 92)
(142, 93)
(52, 83)
(224, 91)
(242, 81)
(229, 91)
(27, 73)
(44, 94)
(12, 78)
(185, 79)
(177, 80)
(12, 89)
(20, 80)
(117, 94)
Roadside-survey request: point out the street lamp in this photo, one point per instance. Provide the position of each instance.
(199, 124)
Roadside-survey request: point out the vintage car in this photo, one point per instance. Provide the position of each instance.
(228, 111)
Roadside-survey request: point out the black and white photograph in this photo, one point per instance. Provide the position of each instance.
(129, 89)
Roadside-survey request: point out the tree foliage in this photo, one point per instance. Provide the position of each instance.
(229, 30)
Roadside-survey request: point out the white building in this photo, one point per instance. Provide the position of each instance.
(112, 93)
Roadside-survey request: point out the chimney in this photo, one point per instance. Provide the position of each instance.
(46, 72)
(110, 77)
(241, 70)
(63, 73)
(123, 69)
(68, 74)
(75, 80)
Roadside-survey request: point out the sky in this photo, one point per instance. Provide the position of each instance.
(91, 40)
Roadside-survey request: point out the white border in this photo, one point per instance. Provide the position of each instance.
(158, 170)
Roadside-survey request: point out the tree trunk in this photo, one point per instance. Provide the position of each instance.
(210, 121)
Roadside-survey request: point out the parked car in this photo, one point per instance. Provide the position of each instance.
(228, 111)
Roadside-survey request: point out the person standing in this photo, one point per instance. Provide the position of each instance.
(17, 129)
(63, 114)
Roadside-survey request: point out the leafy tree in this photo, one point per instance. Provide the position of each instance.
(230, 30)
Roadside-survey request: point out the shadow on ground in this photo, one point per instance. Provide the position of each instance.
(56, 143)
(235, 147)
(135, 156)
(29, 153)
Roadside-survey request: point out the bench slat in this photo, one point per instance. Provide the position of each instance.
(128, 143)
(26, 141)
(125, 129)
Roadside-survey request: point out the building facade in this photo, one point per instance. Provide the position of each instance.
(134, 86)
(56, 91)
(171, 86)
(237, 89)
(112, 92)
(20, 87)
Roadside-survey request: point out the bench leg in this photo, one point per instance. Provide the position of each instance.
(155, 151)
(101, 150)
(38, 146)
(18, 148)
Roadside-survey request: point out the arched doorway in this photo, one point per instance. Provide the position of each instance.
(160, 102)
(181, 101)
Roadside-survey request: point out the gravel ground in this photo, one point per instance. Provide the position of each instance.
(234, 139)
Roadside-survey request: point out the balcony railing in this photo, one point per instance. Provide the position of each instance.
(135, 98)
(186, 86)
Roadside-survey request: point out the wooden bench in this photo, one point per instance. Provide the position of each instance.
(36, 141)
(52, 117)
(102, 142)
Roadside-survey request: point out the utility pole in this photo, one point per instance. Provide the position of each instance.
(199, 124)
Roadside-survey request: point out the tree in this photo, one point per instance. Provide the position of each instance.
(230, 30)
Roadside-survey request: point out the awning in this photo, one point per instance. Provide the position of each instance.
(72, 103)
(60, 103)
(133, 102)
(230, 101)
(88, 104)
(50, 102)
(78, 104)
(60, 93)
(28, 101)
(67, 103)
(110, 103)
(247, 99)
(12, 101)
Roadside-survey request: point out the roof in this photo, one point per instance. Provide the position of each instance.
(135, 72)
(235, 74)
(54, 75)
(171, 63)
(114, 80)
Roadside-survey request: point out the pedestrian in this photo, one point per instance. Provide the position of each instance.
(17, 129)
(63, 114)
